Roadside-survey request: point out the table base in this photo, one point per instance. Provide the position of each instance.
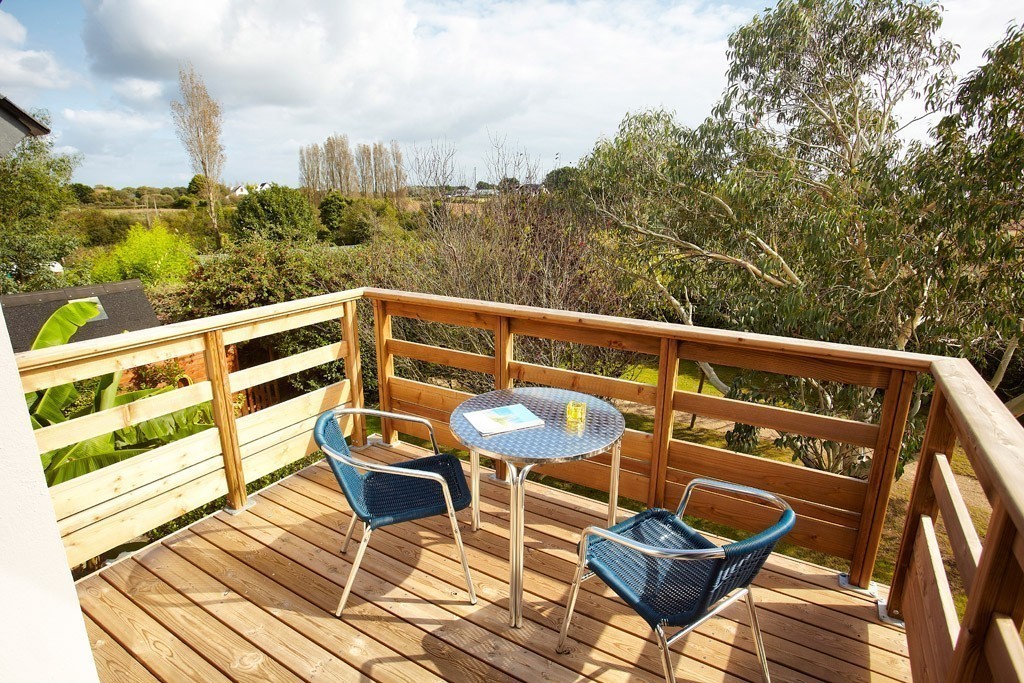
(517, 518)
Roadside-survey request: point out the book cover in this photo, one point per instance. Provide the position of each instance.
(503, 419)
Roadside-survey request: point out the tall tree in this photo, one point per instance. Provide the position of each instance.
(791, 210)
(198, 120)
(364, 166)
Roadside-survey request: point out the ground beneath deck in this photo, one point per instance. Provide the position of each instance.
(252, 597)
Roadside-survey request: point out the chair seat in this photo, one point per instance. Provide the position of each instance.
(392, 498)
(658, 589)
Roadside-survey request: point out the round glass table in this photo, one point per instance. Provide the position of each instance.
(522, 450)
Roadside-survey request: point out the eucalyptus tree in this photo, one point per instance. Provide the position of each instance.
(797, 209)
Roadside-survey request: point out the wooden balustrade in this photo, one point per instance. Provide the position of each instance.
(108, 507)
(836, 514)
(986, 644)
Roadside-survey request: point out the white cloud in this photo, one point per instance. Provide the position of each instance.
(559, 74)
(22, 69)
(138, 91)
(551, 75)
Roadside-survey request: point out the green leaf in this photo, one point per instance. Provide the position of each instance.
(63, 323)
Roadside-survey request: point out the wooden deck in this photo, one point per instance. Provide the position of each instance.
(251, 597)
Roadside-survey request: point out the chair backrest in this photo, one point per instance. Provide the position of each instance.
(331, 440)
(744, 559)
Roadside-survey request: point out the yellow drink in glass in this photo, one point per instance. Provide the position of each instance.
(575, 415)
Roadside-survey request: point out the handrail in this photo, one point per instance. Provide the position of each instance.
(902, 360)
(30, 360)
(984, 644)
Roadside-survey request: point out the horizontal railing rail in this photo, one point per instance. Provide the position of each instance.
(985, 644)
(108, 507)
(836, 514)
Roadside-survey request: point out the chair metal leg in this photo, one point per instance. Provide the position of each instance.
(462, 552)
(758, 642)
(570, 605)
(666, 654)
(348, 534)
(355, 568)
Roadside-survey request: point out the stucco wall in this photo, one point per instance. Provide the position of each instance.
(42, 635)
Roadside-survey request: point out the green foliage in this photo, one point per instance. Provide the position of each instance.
(83, 193)
(277, 213)
(197, 186)
(274, 272)
(356, 220)
(36, 189)
(561, 179)
(154, 255)
(58, 404)
(483, 185)
(97, 227)
(797, 210)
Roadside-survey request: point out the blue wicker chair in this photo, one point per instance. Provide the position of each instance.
(671, 575)
(380, 495)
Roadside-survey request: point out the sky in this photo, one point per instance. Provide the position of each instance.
(544, 78)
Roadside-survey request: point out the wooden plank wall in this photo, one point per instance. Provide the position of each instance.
(835, 514)
(103, 509)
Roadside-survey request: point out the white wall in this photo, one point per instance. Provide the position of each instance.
(42, 635)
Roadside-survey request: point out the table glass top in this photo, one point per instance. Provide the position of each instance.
(555, 441)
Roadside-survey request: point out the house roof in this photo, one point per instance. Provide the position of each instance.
(125, 304)
(33, 126)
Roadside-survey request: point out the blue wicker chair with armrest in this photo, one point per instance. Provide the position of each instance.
(671, 575)
(380, 495)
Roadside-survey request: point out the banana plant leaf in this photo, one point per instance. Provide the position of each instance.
(52, 405)
(47, 407)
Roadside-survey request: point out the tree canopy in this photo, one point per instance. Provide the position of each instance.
(797, 209)
(36, 190)
(277, 213)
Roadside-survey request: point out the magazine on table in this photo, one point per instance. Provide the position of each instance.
(504, 419)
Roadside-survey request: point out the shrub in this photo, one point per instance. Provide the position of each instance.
(153, 255)
(356, 220)
(277, 213)
(100, 228)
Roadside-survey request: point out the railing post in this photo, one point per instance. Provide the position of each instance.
(998, 588)
(939, 437)
(895, 409)
(354, 369)
(504, 351)
(385, 367)
(664, 418)
(224, 417)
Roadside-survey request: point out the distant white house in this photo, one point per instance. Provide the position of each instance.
(239, 191)
(262, 186)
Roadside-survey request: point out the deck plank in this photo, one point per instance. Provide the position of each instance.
(251, 597)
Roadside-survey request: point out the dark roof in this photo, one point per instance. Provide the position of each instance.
(125, 304)
(24, 118)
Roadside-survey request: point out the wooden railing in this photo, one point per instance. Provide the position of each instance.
(836, 514)
(986, 644)
(105, 508)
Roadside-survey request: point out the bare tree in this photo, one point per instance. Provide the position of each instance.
(313, 172)
(397, 170)
(341, 166)
(364, 166)
(198, 118)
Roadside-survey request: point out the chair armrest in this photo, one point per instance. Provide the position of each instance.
(715, 484)
(393, 416)
(653, 551)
